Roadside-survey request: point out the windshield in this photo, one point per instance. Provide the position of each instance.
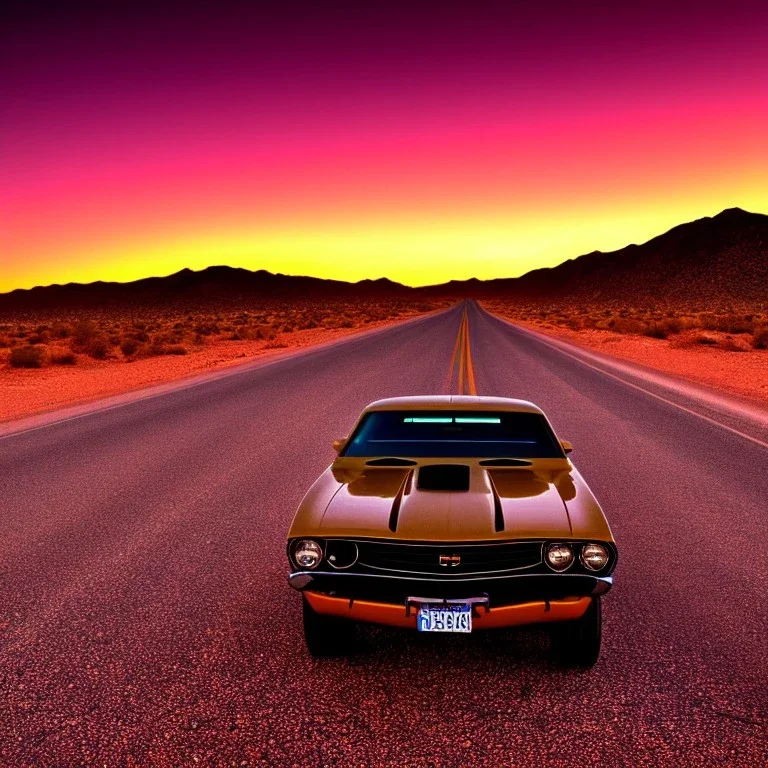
(471, 434)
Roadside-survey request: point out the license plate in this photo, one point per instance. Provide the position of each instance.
(444, 618)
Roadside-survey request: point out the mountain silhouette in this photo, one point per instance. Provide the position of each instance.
(714, 262)
(218, 286)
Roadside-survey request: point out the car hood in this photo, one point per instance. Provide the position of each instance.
(494, 504)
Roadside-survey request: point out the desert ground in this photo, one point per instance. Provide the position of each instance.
(49, 361)
(147, 620)
(727, 350)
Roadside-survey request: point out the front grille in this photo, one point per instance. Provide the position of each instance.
(457, 559)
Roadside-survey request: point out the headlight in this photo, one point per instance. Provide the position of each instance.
(559, 556)
(594, 556)
(307, 554)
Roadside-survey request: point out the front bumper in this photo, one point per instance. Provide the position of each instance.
(501, 616)
(512, 600)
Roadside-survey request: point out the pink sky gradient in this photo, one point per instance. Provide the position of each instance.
(421, 147)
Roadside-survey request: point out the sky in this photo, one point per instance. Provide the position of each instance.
(419, 141)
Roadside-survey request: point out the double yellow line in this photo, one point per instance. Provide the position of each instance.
(461, 350)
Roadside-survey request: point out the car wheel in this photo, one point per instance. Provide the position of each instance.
(577, 643)
(327, 635)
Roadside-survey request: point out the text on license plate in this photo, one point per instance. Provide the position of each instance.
(444, 618)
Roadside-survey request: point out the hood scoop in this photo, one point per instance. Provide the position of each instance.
(443, 477)
(505, 463)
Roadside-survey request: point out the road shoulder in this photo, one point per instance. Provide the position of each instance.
(744, 416)
(53, 407)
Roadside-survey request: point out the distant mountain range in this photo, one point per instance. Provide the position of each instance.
(214, 286)
(714, 262)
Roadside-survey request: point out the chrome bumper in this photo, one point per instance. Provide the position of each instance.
(340, 582)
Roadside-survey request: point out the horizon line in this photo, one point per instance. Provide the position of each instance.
(371, 279)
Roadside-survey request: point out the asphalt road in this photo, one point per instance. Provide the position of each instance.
(145, 617)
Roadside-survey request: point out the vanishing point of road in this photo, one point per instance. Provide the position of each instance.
(146, 619)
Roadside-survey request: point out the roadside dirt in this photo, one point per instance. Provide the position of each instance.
(739, 370)
(25, 392)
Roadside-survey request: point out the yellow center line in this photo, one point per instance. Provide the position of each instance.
(462, 349)
(462, 352)
(471, 385)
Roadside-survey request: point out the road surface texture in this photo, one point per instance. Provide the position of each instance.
(146, 617)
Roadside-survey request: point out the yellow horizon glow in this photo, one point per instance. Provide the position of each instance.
(415, 252)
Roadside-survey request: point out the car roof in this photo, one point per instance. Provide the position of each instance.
(452, 403)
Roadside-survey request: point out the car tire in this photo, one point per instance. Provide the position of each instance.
(577, 643)
(327, 635)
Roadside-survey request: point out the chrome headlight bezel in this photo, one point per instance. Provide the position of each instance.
(561, 546)
(307, 547)
(596, 545)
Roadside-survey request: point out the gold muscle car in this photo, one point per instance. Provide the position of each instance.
(452, 514)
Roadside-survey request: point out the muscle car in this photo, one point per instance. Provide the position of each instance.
(452, 514)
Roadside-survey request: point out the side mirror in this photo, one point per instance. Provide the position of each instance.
(566, 445)
(339, 444)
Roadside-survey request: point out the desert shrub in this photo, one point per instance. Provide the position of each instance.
(264, 332)
(83, 333)
(129, 347)
(685, 323)
(732, 323)
(730, 345)
(60, 331)
(5, 342)
(628, 325)
(656, 331)
(158, 348)
(760, 338)
(708, 322)
(63, 358)
(702, 338)
(27, 357)
(671, 324)
(87, 338)
(98, 349)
